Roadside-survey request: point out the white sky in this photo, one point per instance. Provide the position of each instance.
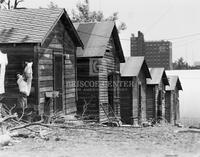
(157, 19)
(189, 97)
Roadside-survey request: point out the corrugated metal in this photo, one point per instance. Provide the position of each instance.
(31, 25)
(95, 37)
(157, 74)
(173, 83)
(132, 67)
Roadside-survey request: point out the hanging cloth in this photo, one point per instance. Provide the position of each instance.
(3, 63)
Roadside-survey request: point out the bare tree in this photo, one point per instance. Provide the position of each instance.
(10, 4)
(52, 5)
(83, 14)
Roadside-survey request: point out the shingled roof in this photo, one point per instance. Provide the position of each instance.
(133, 66)
(157, 75)
(95, 37)
(33, 25)
(173, 83)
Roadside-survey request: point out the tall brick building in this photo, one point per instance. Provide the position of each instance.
(157, 53)
(137, 45)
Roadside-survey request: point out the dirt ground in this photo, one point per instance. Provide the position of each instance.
(101, 141)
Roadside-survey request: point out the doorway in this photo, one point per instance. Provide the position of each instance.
(110, 94)
(159, 107)
(139, 103)
(58, 81)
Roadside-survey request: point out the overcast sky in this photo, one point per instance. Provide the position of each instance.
(178, 20)
(189, 99)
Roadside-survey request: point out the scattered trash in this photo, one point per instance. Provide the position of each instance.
(179, 125)
(5, 140)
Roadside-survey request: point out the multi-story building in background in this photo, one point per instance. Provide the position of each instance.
(157, 53)
(137, 45)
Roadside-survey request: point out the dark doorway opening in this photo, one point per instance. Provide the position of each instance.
(139, 102)
(58, 81)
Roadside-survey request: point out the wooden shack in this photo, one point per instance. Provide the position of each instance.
(134, 73)
(48, 38)
(156, 94)
(172, 109)
(98, 68)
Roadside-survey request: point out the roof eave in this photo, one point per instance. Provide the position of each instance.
(165, 79)
(120, 50)
(179, 86)
(147, 72)
(77, 39)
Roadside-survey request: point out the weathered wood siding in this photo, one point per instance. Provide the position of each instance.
(135, 100)
(168, 106)
(97, 95)
(70, 75)
(177, 111)
(151, 106)
(142, 82)
(126, 101)
(156, 101)
(172, 110)
(17, 55)
(88, 92)
(161, 101)
(133, 104)
(139, 108)
(45, 76)
(58, 42)
(109, 64)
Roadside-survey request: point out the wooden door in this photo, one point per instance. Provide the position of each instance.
(126, 102)
(110, 95)
(159, 106)
(139, 102)
(58, 81)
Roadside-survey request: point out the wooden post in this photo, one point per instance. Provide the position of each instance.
(36, 70)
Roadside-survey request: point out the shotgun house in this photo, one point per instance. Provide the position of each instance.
(134, 73)
(172, 111)
(98, 69)
(156, 94)
(48, 38)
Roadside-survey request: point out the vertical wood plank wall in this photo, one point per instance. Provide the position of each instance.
(139, 115)
(126, 99)
(86, 93)
(168, 106)
(17, 55)
(109, 64)
(172, 110)
(58, 42)
(135, 100)
(162, 89)
(153, 96)
(151, 102)
(142, 81)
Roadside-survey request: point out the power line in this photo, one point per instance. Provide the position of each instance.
(160, 17)
(184, 36)
(126, 39)
(158, 20)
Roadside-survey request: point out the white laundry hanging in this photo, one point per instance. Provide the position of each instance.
(3, 63)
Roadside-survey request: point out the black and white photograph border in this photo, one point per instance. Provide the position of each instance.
(84, 78)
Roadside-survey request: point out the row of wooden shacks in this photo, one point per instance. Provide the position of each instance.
(85, 64)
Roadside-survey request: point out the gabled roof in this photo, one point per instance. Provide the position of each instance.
(133, 66)
(173, 83)
(95, 37)
(157, 75)
(33, 25)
